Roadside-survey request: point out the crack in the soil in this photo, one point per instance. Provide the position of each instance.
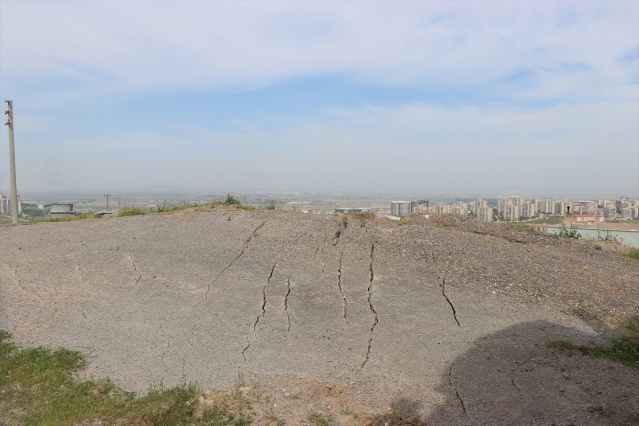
(341, 226)
(244, 247)
(443, 286)
(370, 305)
(450, 382)
(135, 267)
(248, 345)
(261, 315)
(288, 292)
(257, 320)
(117, 247)
(339, 286)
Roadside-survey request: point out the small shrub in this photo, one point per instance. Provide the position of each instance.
(270, 205)
(569, 233)
(597, 247)
(161, 208)
(607, 236)
(231, 200)
(404, 408)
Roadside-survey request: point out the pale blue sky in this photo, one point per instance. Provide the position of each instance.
(491, 97)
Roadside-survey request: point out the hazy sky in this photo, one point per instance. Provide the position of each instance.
(494, 97)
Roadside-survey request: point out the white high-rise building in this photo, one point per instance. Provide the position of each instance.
(441, 208)
(516, 200)
(501, 204)
(512, 212)
(485, 214)
(400, 208)
(477, 204)
(546, 207)
(528, 210)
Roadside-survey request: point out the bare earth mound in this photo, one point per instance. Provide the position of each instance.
(445, 318)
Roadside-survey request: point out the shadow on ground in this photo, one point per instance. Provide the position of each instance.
(513, 377)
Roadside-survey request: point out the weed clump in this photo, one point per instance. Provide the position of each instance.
(569, 233)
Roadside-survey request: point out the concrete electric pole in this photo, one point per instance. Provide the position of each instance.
(107, 197)
(12, 164)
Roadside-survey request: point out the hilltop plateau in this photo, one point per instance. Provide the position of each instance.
(446, 317)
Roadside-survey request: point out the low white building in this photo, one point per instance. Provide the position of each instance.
(58, 210)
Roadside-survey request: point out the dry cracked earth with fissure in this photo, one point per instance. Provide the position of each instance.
(445, 317)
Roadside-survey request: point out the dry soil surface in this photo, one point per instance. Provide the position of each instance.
(443, 318)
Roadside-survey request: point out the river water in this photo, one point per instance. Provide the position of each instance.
(630, 238)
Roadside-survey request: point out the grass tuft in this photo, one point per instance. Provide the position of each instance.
(633, 254)
(320, 419)
(131, 211)
(624, 349)
(65, 218)
(522, 227)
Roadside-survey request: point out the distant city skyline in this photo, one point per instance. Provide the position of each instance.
(511, 98)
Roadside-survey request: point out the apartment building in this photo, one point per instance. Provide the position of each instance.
(501, 204)
(400, 208)
(441, 208)
(561, 207)
(528, 210)
(477, 204)
(517, 201)
(512, 212)
(484, 213)
(546, 206)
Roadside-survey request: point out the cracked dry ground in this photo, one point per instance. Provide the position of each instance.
(445, 316)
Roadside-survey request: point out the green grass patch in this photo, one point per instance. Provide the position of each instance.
(131, 211)
(182, 206)
(550, 220)
(320, 419)
(65, 218)
(633, 254)
(624, 349)
(229, 201)
(5, 220)
(39, 386)
(522, 227)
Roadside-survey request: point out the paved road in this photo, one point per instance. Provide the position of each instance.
(381, 310)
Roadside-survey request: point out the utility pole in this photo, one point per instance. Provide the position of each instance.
(107, 197)
(12, 164)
